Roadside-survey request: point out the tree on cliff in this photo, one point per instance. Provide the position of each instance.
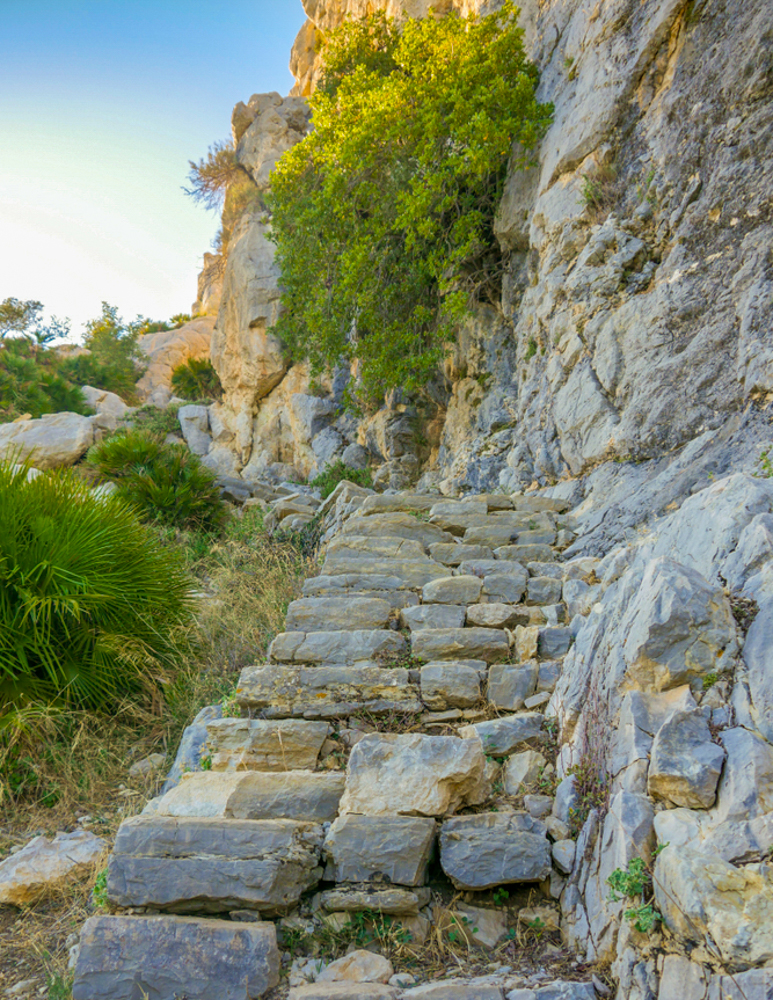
(383, 215)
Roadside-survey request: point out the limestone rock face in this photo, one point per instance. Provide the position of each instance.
(479, 852)
(685, 764)
(419, 775)
(166, 350)
(54, 440)
(43, 865)
(699, 895)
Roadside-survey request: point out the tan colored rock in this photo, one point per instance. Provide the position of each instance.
(486, 644)
(526, 640)
(344, 991)
(266, 128)
(486, 927)
(413, 775)
(358, 967)
(42, 866)
(497, 615)
(166, 350)
(54, 440)
(523, 769)
(260, 745)
(452, 590)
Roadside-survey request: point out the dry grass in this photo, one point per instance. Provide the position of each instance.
(57, 767)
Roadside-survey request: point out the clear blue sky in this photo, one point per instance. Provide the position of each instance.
(102, 104)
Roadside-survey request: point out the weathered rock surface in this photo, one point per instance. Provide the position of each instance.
(292, 795)
(449, 685)
(195, 865)
(54, 440)
(42, 866)
(379, 848)
(162, 957)
(390, 774)
(244, 744)
(326, 614)
(168, 349)
(486, 644)
(685, 764)
(349, 647)
(479, 852)
(503, 735)
(325, 692)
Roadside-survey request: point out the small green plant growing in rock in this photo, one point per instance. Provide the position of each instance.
(709, 680)
(337, 471)
(99, 893)
(500, 896)
(59, 986)
(531, 349)
(635, 883)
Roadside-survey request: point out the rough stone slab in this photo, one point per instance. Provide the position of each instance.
(454, 991)
(163, 957)
(449, 685)
(259, 745)
(328, 614)
(335, 647)
(522, 770)
(393, 901)
(393, 503)
(42, 866)
(542, 590)
(344, 991)
(324, 586)
(433, 616)
(525, 553)
(479, 852)
(411, 573)
(325, 692)
(53, 440)
(293, 795)
(457, 515)
(396, 525)
(492, 535)
(685, 764)
(486, 644)
(503, 735)
(554, 642)
(379, 848)
(510, 686)
(195, 865)
(358, 966)
(452, 590)
(452, 554)
(391, 775)
(191, 745)
(497, 615)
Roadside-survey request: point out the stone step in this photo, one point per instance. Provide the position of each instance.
(392, 849)
(162, 957)
(329, 614)
(336, 647)
(346, 583)
(490, 849)
(390, 504)
(260, 745)
(256, 795)
(206, 866)
(398, 525)
(410, 574)
(433, 616)
(390, 547)
(488, 644)
(325, 691)
(451, 554)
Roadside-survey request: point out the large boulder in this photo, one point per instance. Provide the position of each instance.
(168, 349)
(54, 440)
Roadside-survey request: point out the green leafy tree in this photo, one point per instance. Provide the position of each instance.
(91, 607)
(115, 361)
(25, 319)
(383, 215)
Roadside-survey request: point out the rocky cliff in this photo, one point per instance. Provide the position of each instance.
(629, 359)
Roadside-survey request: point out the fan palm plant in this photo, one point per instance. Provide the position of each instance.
(91, 607)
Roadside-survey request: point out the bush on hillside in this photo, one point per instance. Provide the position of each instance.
(334, 473)
(115, 361)
(30, 381)
(91, 607)
(165, 483)
(383, 215)
(196, 378)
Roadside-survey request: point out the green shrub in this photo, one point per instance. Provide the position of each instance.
(90, 605)
(166, 483)
(383, 214)
(196, 378)
(30, 381)
(156, 420)
(332, 475)
(115, 361)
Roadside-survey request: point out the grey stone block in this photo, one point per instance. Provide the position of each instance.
(479, 852)
(486, 644)
(510, 686)
(554, 642)
(326, 614)
(502, 736)
(379, 848)
(206, 865)
(449, 685)
(163, 957)
(433, 616)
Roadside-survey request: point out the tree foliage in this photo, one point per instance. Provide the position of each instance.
(91, 607)
(115, 361)
(196, 378)
(383, 215)
(24, 319)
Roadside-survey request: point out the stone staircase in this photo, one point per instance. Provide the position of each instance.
(395, 736)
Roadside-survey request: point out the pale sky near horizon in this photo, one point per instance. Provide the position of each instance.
(102, 104)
